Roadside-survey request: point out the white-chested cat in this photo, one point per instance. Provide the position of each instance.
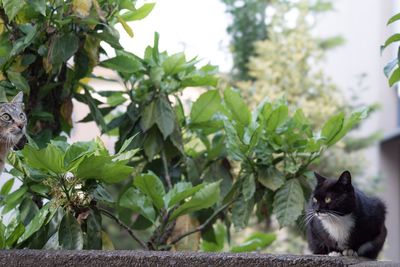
(12, 126)
(342, 220)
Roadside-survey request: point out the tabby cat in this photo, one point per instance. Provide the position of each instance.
(12, 127)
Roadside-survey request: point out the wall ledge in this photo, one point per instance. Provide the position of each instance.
(88, 258)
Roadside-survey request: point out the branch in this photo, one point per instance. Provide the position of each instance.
(204, 225)
(127, 228)
(165, 165)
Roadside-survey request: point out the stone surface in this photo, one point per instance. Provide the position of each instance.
(45, 258)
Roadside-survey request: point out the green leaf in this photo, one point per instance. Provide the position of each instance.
(138, 202)
(174, 64)
(390, 66)
(93, 231)
(271, 178)
(332, 127)
(288, 203)
(300, 118)
(241, 211)
(148, 116)
(103, 168)
(125, 25)
(151, 185)
(126, 144)
(205, 106)
(237, 107)
(15, 235)
(204, 198)
(19, 81)
(39, 6)
(63, 48)
(70, 234)
(16, 195)
(165, 117)
(255, 242)
(179, 192)
(101, 193)
(27, 210)
(94, 109)
(395, 77)
(233, 142)
(2, 236)
(37, 222)
(6, 188)
(109, 35)
(139, 13)
(12, 7)
(155, 51)
(76, 151)
(350, 122)
(277, 118)
(40, 188)
(116, 99)
(50, 158)
(123, 63)
(220, 236)
(127, 4)
(249, 187)
(393, 19)
(153, 143)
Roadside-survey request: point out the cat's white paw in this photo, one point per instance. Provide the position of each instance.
(349, 252)
(334, 254)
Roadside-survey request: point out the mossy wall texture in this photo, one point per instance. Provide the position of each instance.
(43, 258)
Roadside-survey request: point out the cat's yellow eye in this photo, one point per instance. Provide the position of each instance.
(314, 200)
(328, 200)
(6, 117)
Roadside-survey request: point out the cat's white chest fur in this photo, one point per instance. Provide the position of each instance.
(338, 227)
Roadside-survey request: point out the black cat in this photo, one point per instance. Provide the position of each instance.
(344, 221)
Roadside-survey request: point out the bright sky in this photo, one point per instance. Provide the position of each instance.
(196, 27)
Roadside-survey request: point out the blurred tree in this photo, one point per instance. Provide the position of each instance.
(288, 64)
(248, 26)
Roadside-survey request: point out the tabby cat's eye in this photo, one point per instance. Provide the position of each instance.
(22, 116)
(314, 200)
(5, 117)
(327, 200)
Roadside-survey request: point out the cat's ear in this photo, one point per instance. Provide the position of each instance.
(18, 99)
(320, 179)
(345, 178)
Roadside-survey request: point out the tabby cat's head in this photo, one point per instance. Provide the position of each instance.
(12, 121)
(333, 196)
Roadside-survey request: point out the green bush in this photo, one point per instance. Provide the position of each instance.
(219, 161)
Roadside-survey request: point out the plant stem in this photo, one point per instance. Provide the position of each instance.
(127, 228)
(165, 165)
(202, 226)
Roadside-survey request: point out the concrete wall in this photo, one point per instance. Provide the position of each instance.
(42, 258)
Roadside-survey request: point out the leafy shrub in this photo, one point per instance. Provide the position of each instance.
(392, 69)
(39, 41)
(219, 161)
(59, 204)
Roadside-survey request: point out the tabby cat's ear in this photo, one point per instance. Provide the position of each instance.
(320, 179)
(345, 178)
(18, 99)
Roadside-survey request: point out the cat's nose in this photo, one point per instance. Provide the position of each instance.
(20, 126)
